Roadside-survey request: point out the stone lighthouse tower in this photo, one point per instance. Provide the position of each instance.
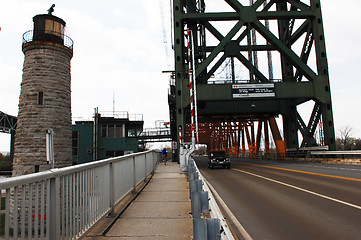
(45, 97)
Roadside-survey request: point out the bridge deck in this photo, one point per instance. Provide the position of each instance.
(161, 211)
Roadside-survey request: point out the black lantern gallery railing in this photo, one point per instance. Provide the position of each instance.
(48, 36)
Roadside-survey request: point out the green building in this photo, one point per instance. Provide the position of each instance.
(106, 137)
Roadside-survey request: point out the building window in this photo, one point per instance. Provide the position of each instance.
(104, 130)
(134, 132)
(112, 131)
(75, 143)
(40, 98)
(118, 131)
(131, 133)
(114, 153)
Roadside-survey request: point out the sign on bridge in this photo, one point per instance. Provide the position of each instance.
(253, 90)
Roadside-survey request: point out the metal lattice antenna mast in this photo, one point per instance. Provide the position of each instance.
(113, 103)
(164, 33)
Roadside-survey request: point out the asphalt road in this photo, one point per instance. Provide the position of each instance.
(278, 200)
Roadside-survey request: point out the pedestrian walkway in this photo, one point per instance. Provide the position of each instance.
(161, 211)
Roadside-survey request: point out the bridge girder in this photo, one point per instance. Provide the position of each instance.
(7, 123)
(296, 35)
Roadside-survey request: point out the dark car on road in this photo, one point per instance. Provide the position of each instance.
(218, 158)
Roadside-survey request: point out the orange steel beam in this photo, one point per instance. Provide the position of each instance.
(253, 139)
(235, 140)
(231, 136)
(243, 141)
(259, 133)
(280, 146)
(249, 141)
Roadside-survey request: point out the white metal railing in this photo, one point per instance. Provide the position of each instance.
(337, 153)
(155, 132)
(64, 203)
(122, 115)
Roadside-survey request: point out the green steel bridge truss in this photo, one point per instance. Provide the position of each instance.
(292, 30)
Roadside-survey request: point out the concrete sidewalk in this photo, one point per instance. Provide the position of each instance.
(161, 211)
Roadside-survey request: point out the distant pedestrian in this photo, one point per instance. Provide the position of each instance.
(164, 154)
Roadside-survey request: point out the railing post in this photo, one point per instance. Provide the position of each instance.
(155, 160)
(145, 167)
(134, 176)
(111, 189)
(213, 226)
(7, 213)
(54, 206)
(200, 229)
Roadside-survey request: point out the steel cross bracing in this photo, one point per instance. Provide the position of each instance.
(155, 135)
(290, 29)
(7, 123)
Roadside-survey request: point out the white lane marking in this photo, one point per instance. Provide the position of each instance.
(301, 189)
(238, 225)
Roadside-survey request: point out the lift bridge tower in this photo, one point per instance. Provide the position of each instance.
(278, 46)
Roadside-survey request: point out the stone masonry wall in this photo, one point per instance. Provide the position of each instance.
(46, 69)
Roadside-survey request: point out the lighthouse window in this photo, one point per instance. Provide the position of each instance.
(53, 27)
(40, 98)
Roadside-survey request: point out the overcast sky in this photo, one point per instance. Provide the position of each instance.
(119, 53)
